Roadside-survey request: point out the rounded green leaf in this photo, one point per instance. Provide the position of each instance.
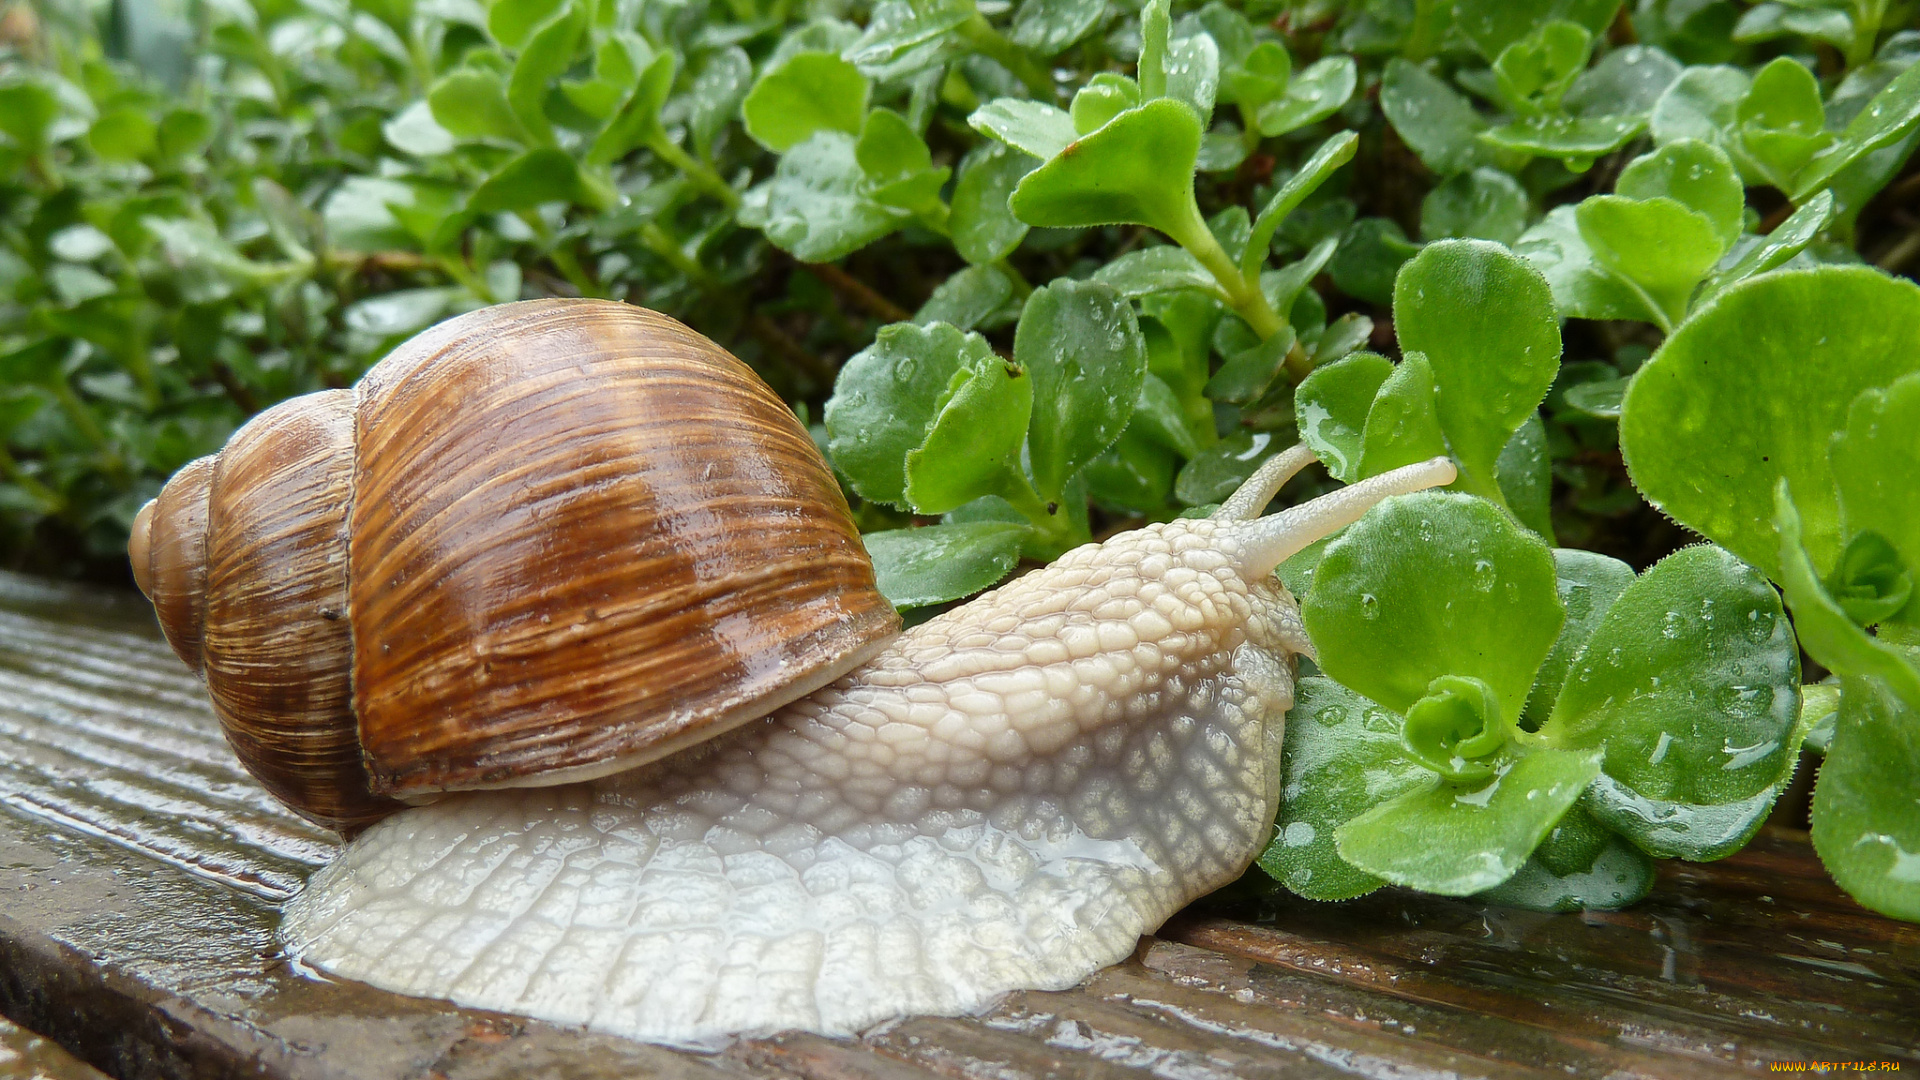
(1434, 584)
(471, 103)
(1750, 390)
(1690, 683)
(123, 134)
(1456, 728)
(1050, 26)
(1331, 405)
(1696, 175)
(1483, 204)
(886, 398)
(1866, 805)
(984, 229)
(1657, 246)
(1876, 459)
(1342, 757)
(1485, 318)
(973, 446)
(1433, 118)
(1459, 839)
(937, 563)
(1136, 170)
(1082, 343)
(1588, 583)
(811, 92)
(1035, 127)
(1313, 95)
(1403, 426)
(1619, 876)
(816, 205)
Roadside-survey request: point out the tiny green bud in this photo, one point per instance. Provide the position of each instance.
(1456, 728)
(1870, 582)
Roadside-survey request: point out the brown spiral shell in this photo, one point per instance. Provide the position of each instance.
(537, 543)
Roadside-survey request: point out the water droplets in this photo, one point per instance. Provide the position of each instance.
(1369, 606)
(1483, 575)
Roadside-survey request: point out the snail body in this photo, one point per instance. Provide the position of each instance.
(571, 572)
(1005, 797)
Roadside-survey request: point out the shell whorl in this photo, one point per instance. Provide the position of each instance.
(538, 542)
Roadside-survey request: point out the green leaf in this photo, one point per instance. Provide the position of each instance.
(973, 446)
(1826, 631)
(1535, 71)
(1193, 73)
(1314, 94)
(1588, 583)
(413, 130)
(1342, 756)
(1224, 466)
(1875, 459)
(1690, 684)
(1657, 246)
(1433, 118)
(1781, 121)
(968, 298)
(1707, 440)
(541, 63)
(984, 229)
(1369, 258)
(1483, 204)
(123, 134)
(471, 103)
(1456, 728)
(1458, 839)
(1575, 139)
(816, 206)
(1159, 417)
(1871, 582)
(812, 92)
(1105, 96)
(535, 178)
(898, 166)
(638, 120)
(1313, 172)
(716, 95)
(1434, 584)
(1696, 175)
(1083, 345)
(1403, 425)
(1866, 805)
(1049, 27)
(1257, 76)
(1331, 406)
(512, 22)
(27, 113)
(1788, 239)
(1485, 318)
(1620, 875)
(1136, 170)
(1581, 287)
(885, 399)
(1890, 117)
(1157, 269)
(1492, 25)
(938, 563)
(1248, 373)
(1035, 127)
(1627, 81)
(1704, 104)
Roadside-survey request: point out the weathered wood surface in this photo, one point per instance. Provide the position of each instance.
(140, 873)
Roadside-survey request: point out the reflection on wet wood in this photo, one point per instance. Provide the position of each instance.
(141, 872)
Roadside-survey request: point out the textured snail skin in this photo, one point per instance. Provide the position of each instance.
(1006, 797)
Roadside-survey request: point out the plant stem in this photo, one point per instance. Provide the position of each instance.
(1053, 526)
(703, 177)
(1243, 295)
(50, 501)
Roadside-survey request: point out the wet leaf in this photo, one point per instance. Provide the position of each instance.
(937, 563)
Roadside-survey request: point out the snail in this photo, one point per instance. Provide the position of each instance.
(1003, 797)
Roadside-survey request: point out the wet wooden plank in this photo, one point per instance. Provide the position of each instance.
(141, 873)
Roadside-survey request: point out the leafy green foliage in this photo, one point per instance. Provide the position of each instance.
(1047, 269)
